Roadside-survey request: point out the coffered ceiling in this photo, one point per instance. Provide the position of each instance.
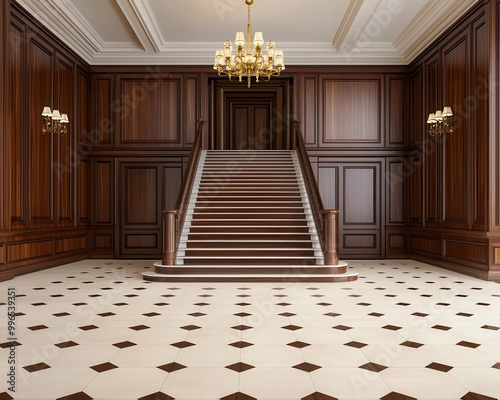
(310, 32)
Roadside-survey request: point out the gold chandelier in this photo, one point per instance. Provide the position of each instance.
(249, 61)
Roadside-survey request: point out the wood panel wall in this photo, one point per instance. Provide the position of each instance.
(453, 209)
(45, 177)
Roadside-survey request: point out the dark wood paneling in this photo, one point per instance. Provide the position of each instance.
(136, 241)
(395, 118)
(456, 168)
(359, 241)
(328, 182)
(102, 123)
(140, 194)
(172, 182)
(26, 251)
(417, 113)
(395, 176)
(102, 200)
(481, 46)
(15, 125)
(414, 182)
(309, 112)
(361, 196)
(83, 134)
(431, 152)
(191, 110)
(65, 161)
(150, 111)
(41, 178)
(466, 251)
(82, 192)
(67, 245)
(2, 256)
(351, 111)
(426, 245)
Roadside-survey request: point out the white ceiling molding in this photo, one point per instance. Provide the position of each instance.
(356, 36)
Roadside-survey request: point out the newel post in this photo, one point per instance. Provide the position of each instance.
(331, 237)
(169, 236)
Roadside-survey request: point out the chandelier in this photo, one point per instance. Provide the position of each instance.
(248, 60)
(437, 122)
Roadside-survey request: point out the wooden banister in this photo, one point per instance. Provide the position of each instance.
(173, 220)
(326, 220)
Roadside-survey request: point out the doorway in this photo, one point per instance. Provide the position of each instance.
(256, 118)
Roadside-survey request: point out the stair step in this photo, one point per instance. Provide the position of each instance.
(258, 235)
(247, 244)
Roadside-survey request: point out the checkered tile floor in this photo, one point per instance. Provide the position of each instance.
(404, 330)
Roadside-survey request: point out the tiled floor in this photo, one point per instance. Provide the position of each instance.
(96, 330)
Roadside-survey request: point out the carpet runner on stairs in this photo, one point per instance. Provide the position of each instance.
(249, 219)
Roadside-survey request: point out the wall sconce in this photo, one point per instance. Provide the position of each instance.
(59, 122)
(437, 122)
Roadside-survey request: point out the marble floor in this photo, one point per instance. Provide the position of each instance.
(96, 330)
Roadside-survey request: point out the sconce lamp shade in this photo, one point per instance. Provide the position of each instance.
(56, 115)
(64, 119)
(447, 112)
(46, 112)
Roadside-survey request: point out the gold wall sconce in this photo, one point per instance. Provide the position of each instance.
(54, 122)
(438, 124)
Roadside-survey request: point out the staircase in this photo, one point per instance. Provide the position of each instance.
(249, 219)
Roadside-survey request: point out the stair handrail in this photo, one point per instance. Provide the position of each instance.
(173, 220)
(325, 220)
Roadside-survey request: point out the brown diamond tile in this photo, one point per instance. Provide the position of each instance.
(56, 295)
(123, 345)
(283, 304)
(197, 314)
(161, 304)
(239, 367)
(475, 396)
(36, 367)
(439, 367)
(171, 367)
(38, 304)
(497, 366)
(37, 327)
(121, 304)
(491, 327)
(190, 327)
(318, 396)
(168, 295)
(324, 304)
(463, 314)
(357, 345)
(419, 314)
(364, 304)
(397, 396)
(248, 295)
(6, 345)
(332, 314)
(238, 396)
(287, 314)
(468, 344)
(318, 295)
(241, 327)
(241, 344)
(157, 396)
(441, 327)
(243, 288)
(375, 314)
(373, 367)
(306, 367)
(243, 304)
(201, 304)
(131, 295)
(414, 345)
(341, 327)
(5, 395)
(106, 314)
(182, 345)
(76, 396)
(138, 327)
(103, 367)
(392, 327)
(443, 304)
(61, 314)
(211, 295)
(242, 314)
(291, 327)
(151, 314)
(88, 327)
(403, 304)
(298, 344)
(79, 304)
(67, 344)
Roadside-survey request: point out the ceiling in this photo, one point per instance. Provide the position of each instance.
(187, 32)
